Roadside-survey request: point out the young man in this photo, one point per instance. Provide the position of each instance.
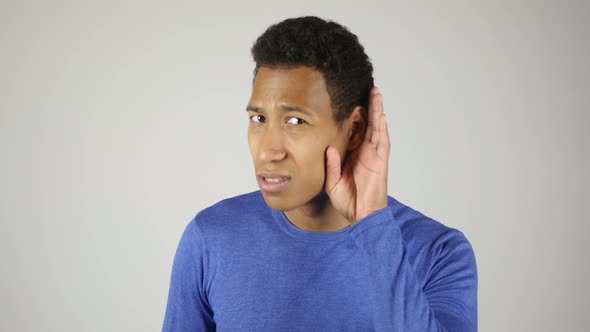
(321, 247)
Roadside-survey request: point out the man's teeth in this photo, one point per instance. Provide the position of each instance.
(275, 179)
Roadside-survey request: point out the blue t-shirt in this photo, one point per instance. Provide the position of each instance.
(241, 266)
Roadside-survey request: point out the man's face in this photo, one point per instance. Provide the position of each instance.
(291, 126)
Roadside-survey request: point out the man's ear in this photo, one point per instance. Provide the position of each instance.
(358, 126)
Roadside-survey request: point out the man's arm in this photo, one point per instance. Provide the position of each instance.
(188, 309)
(447, 298)
(358, 189)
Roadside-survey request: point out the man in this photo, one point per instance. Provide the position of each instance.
(321, 247)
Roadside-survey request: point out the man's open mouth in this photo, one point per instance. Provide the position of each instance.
(275, 180)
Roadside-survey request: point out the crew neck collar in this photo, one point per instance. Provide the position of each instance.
(298, 233)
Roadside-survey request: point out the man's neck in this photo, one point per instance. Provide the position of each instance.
(318, 215)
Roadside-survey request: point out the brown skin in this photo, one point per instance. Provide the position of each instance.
(292, 132)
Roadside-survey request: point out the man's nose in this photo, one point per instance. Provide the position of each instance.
(271, 144)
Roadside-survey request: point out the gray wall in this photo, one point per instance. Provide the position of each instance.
(119, 120)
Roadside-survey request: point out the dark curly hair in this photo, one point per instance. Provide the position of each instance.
(326, 46)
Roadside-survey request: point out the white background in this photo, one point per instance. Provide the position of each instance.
(120, 120)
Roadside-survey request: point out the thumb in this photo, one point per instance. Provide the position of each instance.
(332, 168)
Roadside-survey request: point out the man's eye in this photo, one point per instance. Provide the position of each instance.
(257, 118)
(295, 121)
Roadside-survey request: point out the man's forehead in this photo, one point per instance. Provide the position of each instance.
(300, 78)
(300, 86)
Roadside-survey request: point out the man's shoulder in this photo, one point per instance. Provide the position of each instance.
(421, 229)
(430, 243)
(232, 213)
(241, 204)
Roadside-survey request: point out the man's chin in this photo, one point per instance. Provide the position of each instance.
(280, 203)
(277, 202)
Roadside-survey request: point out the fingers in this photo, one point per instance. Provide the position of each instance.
(377, 134)
(384, 145)
(371, 121)
(377, 118)
(373, 132)
(333, 168)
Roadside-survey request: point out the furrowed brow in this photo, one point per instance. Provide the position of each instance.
(282, 107)
(293, 108)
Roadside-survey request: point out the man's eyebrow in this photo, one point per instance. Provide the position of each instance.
(293, 108)
(252, 108)
(284, 107)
